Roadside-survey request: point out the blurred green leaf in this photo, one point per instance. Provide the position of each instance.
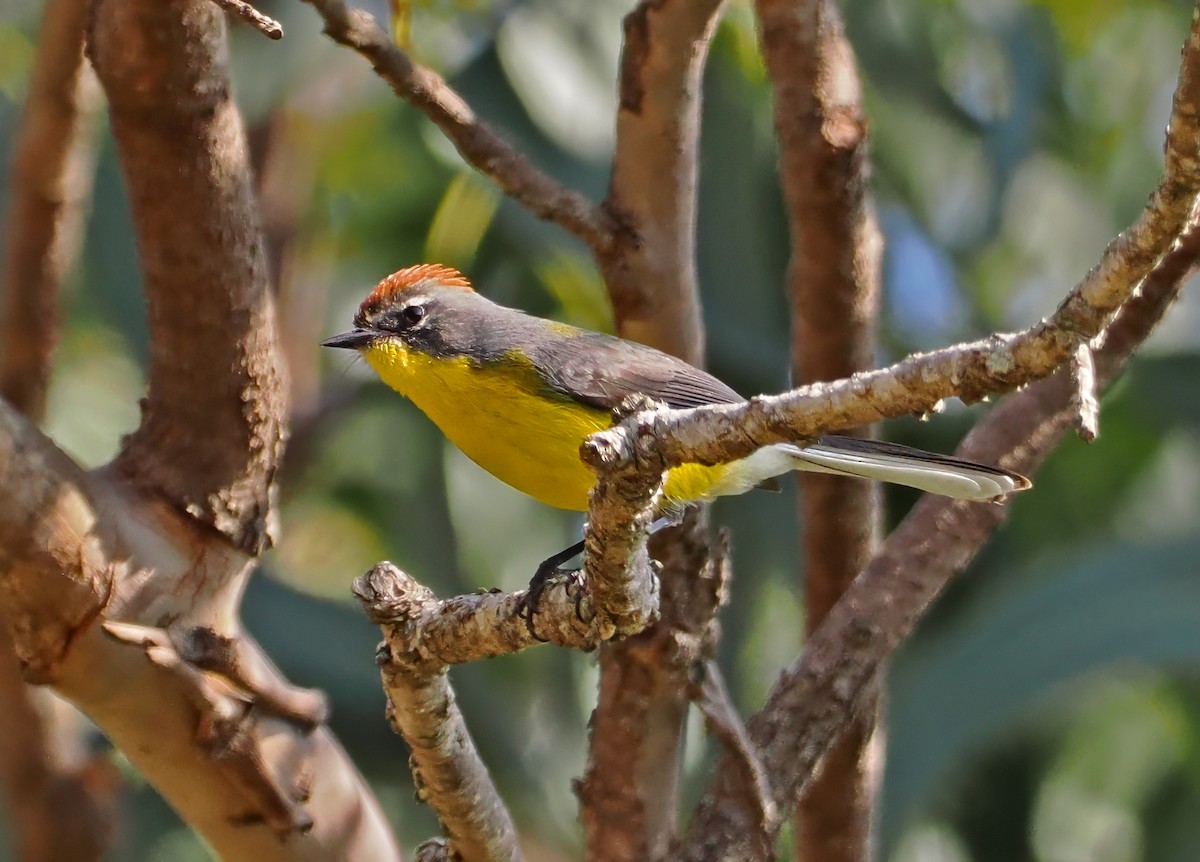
(1001, 658)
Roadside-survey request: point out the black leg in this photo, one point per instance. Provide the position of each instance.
(537, 584)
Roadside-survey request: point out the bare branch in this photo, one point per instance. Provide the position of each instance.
(645, 689)
(449, 773)
(651, 269)
(214, 363)
(51, 183)
(80, 559)
(833, 284)
(47, 769)
(972, 371)
(712, 698)
(817, 699)
(44, 763)
(621, 506)
(650, 272)
(445, 632)
(242, 10)
(478, 143)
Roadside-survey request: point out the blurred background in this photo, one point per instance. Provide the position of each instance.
(1048, 708)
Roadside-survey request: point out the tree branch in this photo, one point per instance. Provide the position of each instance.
(833, 284)
(475, 140)
(45, 766)
(629, 789)
(51, 180)
(214, 363)
(88, 578)
(972, 371)
(127, 604)
(449, 773)
(481, 625)
(650, 273)
(47, 770)
(242, 10)
(651, 270)
(814, 702)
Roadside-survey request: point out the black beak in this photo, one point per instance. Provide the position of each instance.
(352, 340)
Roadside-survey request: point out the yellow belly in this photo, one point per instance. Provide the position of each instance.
(503, 421)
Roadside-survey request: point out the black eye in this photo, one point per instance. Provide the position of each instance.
(412, 314)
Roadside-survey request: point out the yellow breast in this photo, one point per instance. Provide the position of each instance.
(503, 420)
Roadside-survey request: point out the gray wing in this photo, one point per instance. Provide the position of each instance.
(602, 370)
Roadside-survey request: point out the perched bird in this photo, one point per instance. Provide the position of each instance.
(518, 395)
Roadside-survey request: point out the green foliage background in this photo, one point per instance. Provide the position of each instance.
(1048, 709)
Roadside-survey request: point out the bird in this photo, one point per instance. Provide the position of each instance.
(519, 394)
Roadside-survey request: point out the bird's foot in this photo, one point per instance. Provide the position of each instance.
(541, 580)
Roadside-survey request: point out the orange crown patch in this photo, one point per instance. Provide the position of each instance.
(409, 277)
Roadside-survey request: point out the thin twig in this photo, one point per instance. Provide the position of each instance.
(479, 144)
(264, 24)
(449, 773)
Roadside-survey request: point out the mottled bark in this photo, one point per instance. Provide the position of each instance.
(817, 700)
(121, 587)
(650, 273)
(448, 771)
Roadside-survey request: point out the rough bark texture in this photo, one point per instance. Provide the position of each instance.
(449, 774)
(833, 284)
(650, 273)
(972, 371)
(212, 429)
(629, 790)
(120, 588)
(44, 763)
(815, 701)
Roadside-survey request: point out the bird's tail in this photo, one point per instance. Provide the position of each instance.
(903, 465)
(884, 462)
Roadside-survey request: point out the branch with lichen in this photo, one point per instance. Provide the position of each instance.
(817, 700)
(446, 766)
